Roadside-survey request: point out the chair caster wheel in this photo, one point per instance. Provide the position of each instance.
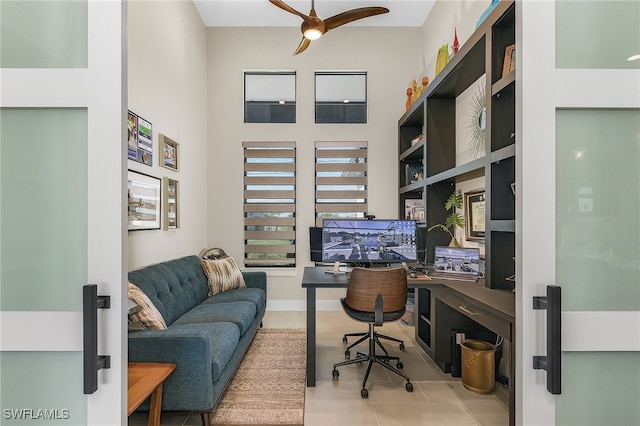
(347, 354)
(364, 393)
(344, 340)
(409, 387)
(335, 374)
(400, 366)
(402, 346)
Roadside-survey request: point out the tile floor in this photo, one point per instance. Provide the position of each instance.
(437, 399)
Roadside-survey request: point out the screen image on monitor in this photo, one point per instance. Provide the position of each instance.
(364, 241)
(457, 261)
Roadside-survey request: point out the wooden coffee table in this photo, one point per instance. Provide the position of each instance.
(144, 379)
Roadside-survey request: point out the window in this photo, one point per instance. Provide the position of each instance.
(341, 97)
(269, 204)
(270, 97)
(341, 180)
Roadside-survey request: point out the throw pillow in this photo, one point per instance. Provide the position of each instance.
(223, 275)
(147, 317)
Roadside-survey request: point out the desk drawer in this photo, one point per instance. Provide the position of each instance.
(476, 312)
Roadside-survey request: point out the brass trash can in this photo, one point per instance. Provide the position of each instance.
(478, 366)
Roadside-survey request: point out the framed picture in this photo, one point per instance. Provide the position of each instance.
(509, 59)
(170, 196)
(414, 173)
(414, 209)
(169, 150)
(143, 201)
(474, 220)
(140, 139)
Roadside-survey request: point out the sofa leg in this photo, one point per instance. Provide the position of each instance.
(206, 419)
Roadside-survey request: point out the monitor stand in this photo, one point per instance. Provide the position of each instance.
(337, 269)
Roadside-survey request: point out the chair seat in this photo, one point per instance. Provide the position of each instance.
(370, 316)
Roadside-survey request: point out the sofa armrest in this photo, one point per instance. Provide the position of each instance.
(255, 279)
(190, 385)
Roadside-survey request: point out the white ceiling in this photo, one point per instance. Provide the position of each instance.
(261, 13)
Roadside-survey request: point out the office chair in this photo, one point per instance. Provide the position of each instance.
(375, 296)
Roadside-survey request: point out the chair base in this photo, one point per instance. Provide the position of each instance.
(364, 336)
(371, 358)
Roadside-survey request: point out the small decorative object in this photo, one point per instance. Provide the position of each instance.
(477, 122)
(169, 149)
(414, 173)
(443, 58)
(453, 204)
(139, 140)
(143, 201)
(409, 102)
(170, 194)
(475, 206)
(425, 83)
(513, 188)
(417, 139)
(456, 44)
(414, 89)
(414, 209)
(509, 63)
(486, 13)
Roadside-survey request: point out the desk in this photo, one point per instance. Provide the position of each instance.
(493, 309)
(144, 379)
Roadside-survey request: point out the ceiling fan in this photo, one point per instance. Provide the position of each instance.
(313, 27)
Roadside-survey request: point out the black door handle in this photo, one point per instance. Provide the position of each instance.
(92, 362)
(552, 362)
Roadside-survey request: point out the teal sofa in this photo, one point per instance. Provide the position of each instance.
(206, 337)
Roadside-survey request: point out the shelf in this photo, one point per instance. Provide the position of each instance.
(503, 153)
(471, 170)
(503, 83)
(415, 152)
(503, 226)
(414, 187)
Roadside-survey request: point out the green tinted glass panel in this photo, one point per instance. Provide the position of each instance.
(597, 208)
(597, 34)
(42, 388)
(43, 34)
(593, 380)
(43, 208)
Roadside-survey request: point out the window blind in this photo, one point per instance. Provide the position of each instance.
(341, 180)
(269, 203)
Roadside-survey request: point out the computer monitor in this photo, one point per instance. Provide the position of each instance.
(364, 242)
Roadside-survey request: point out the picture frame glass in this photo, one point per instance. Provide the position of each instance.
(475, 215)
(144, 201)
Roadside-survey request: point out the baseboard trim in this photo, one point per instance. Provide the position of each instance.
(301, 305)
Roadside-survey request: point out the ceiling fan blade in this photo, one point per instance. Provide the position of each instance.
(352, 15)
(282, 5)
(303, 45)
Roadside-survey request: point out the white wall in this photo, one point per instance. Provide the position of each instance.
(389, 55)
(167, 86)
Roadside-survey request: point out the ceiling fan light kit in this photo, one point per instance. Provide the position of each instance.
(313, 27)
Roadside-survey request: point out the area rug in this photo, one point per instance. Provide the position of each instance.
(269, 385)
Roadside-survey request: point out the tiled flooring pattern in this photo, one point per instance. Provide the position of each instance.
(438, 399)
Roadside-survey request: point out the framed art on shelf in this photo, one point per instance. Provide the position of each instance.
(414, 209)
(170, 194)
(143, 201)
(169, 150)
(475, 215)
(509, 63)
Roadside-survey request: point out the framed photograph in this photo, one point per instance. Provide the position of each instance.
(474, 220)
(170, 196)
(414, 209)
(140, 139)
(169, 150)
(143, 201)
(509, 59)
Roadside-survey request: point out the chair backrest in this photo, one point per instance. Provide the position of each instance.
(366, 283)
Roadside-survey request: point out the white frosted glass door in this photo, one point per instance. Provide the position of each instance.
(578, 143)
(62, 222)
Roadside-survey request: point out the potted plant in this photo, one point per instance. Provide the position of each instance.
(453, 204)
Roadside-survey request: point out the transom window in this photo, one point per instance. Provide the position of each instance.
(341, 97)
(270, 97)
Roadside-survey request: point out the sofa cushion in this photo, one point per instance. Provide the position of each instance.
(255, 295)
(223, 275)
(241, 314)
(174, 286)
(147, 317)
(224, 341)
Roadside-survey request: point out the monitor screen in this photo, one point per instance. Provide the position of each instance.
(364, 241)
(457, 260)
